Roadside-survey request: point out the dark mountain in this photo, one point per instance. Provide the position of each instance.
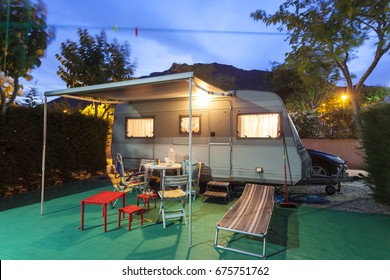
(226, 77)
(62, 103)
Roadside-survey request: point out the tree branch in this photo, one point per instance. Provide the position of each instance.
(15, 92)
(378, 54)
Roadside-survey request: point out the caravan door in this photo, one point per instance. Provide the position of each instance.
(220, 141)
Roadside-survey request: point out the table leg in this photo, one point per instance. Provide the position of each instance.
(130, 220)
(162, 183)
(105, 216)
(82, 215)
(145, 179)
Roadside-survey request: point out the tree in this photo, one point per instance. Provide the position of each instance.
(334, 29)
(93, 61)
(32, 97)
(24, 37)
(304, 91)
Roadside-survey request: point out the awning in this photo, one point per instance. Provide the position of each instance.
(183, 85)
(151, 88)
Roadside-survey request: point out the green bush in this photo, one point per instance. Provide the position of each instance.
(376, 142)
(75, 145)
(337, 124)
(20, 147)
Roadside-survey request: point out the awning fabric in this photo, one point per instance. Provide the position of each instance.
(151, 88)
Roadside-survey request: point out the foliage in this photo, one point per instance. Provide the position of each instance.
(307, 88)
(335, 124)
(20, 148)
(376, 142)
(93, 61)
(75, 147)
(24, 37)
(6, 88)
(333, 119)
(339, 124)
(78, 138)
(374, 95)
(308, 124)
(103, 111)
(334, 30)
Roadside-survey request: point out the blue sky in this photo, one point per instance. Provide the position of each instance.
(168, 34)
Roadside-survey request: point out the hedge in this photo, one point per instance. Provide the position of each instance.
(376, 142)
(75, 145)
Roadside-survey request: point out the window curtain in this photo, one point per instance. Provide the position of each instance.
(184, 124)
(259, 125)
(139, 127)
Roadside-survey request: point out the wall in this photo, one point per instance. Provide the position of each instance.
(348, 149)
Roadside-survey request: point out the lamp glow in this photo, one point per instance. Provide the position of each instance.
(343, 98)
(203, 99)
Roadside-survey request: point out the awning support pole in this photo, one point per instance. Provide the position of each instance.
(43, 154)
(190, 163)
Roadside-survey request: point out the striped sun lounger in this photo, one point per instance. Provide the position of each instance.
(250, 214)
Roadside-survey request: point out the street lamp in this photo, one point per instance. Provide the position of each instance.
(343, 98)
(323, 108)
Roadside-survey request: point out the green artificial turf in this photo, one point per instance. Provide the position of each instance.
(304, 233)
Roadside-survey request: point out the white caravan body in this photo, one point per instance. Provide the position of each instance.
(219, 140)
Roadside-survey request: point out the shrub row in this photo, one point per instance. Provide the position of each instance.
(337, 124)
(75, 145)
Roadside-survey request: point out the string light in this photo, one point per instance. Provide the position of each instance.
(137, 29)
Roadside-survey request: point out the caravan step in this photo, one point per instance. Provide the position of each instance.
(218, 183)
(217, 189)
(215, 194)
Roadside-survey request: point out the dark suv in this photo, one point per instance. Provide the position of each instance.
(324, 163)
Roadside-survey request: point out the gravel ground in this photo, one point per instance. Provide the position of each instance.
(355, 196)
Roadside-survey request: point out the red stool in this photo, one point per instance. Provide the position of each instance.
(130, 209)
(155, 198)
(146, 198)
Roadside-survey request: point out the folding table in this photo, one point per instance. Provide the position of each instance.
(102, 198)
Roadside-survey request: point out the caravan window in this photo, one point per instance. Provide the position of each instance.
(140, 127)
(184, 124)
(258, 125)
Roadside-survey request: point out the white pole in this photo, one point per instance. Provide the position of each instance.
(43, 154)
(190, 164)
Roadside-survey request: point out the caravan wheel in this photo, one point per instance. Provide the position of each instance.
(330, 189)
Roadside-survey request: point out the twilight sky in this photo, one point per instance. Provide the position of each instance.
(173, 31)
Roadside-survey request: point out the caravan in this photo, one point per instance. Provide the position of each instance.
(244, 136)
(237, 137)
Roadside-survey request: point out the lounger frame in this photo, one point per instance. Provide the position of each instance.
(264, 206)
